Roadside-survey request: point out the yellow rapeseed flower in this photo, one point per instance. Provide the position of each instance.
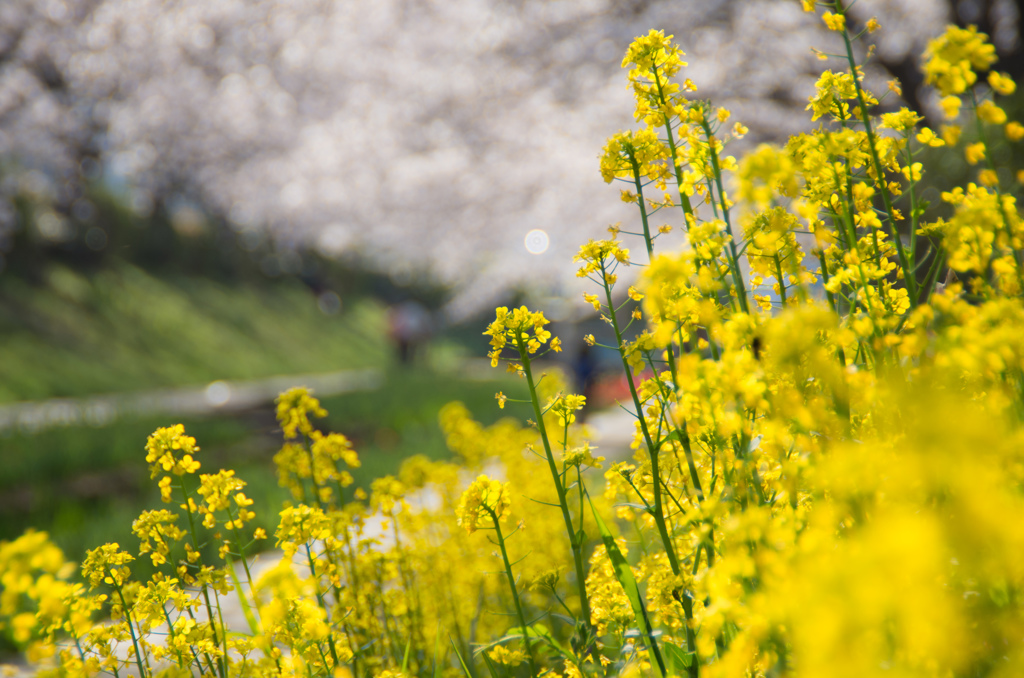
(832, 90)
(1001, 83)
(975, 153)
(990, 113)
(107, 564)
(988, 177)
(950, 106)
(901, 121)
(483, 502)
(502, 655)
(521, 328)
(927, 136)
(950, 134)
(953, 59)
(641, 152)
(169, 450)
(835, 22)
(294, 408)
(600, 255)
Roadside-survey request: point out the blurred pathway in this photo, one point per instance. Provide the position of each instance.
(218, 396)
(612, 431)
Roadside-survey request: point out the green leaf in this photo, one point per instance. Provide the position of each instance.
(676, 658)
(563, 618)
(405, 659)
(458, 654)
(536, 631)
(491, 668)
(624, 574)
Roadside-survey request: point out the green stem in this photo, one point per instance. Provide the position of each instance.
(877, 164)
(658, 513)
(515, 592)
(914, 216)
(131, 628)
(195, 545)
(574, 541)
(246, 609)
(734, 259)
(659, 517)
(643, 207)
(824, 280)
(782, 281)
(323, 603)
(683, 198)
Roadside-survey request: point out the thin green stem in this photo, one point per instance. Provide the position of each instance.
(684, 598)
(323, 603)
(877, 164)
(643, 207)
(673, 151)
(782, 281)
(205, 589)
(515, 591)
(131, 628)
(574, 542)
(734, 259)
(659, 517)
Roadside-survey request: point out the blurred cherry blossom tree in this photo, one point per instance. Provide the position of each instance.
(422, 137)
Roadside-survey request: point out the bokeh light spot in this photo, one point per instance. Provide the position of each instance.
(537, 241)
(217, 394)
(329, 302)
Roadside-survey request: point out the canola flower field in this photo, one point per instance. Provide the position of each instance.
(828, 452)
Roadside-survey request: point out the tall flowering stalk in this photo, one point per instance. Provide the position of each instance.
(523, 331)
(485, 505)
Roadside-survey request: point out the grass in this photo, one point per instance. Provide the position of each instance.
(400, 420)
(121, 329)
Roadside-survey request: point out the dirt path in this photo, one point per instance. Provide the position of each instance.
(218, 396)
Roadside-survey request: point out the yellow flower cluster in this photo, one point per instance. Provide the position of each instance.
(294, 408)
(641, 151)
(749, 424)
(157, 532)
(953, 60)
(32, 574)
(521, 329)
(601, 256)
(107, 564)
(483, 504)
(566, 407)
(653, 60)
(169, 450)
